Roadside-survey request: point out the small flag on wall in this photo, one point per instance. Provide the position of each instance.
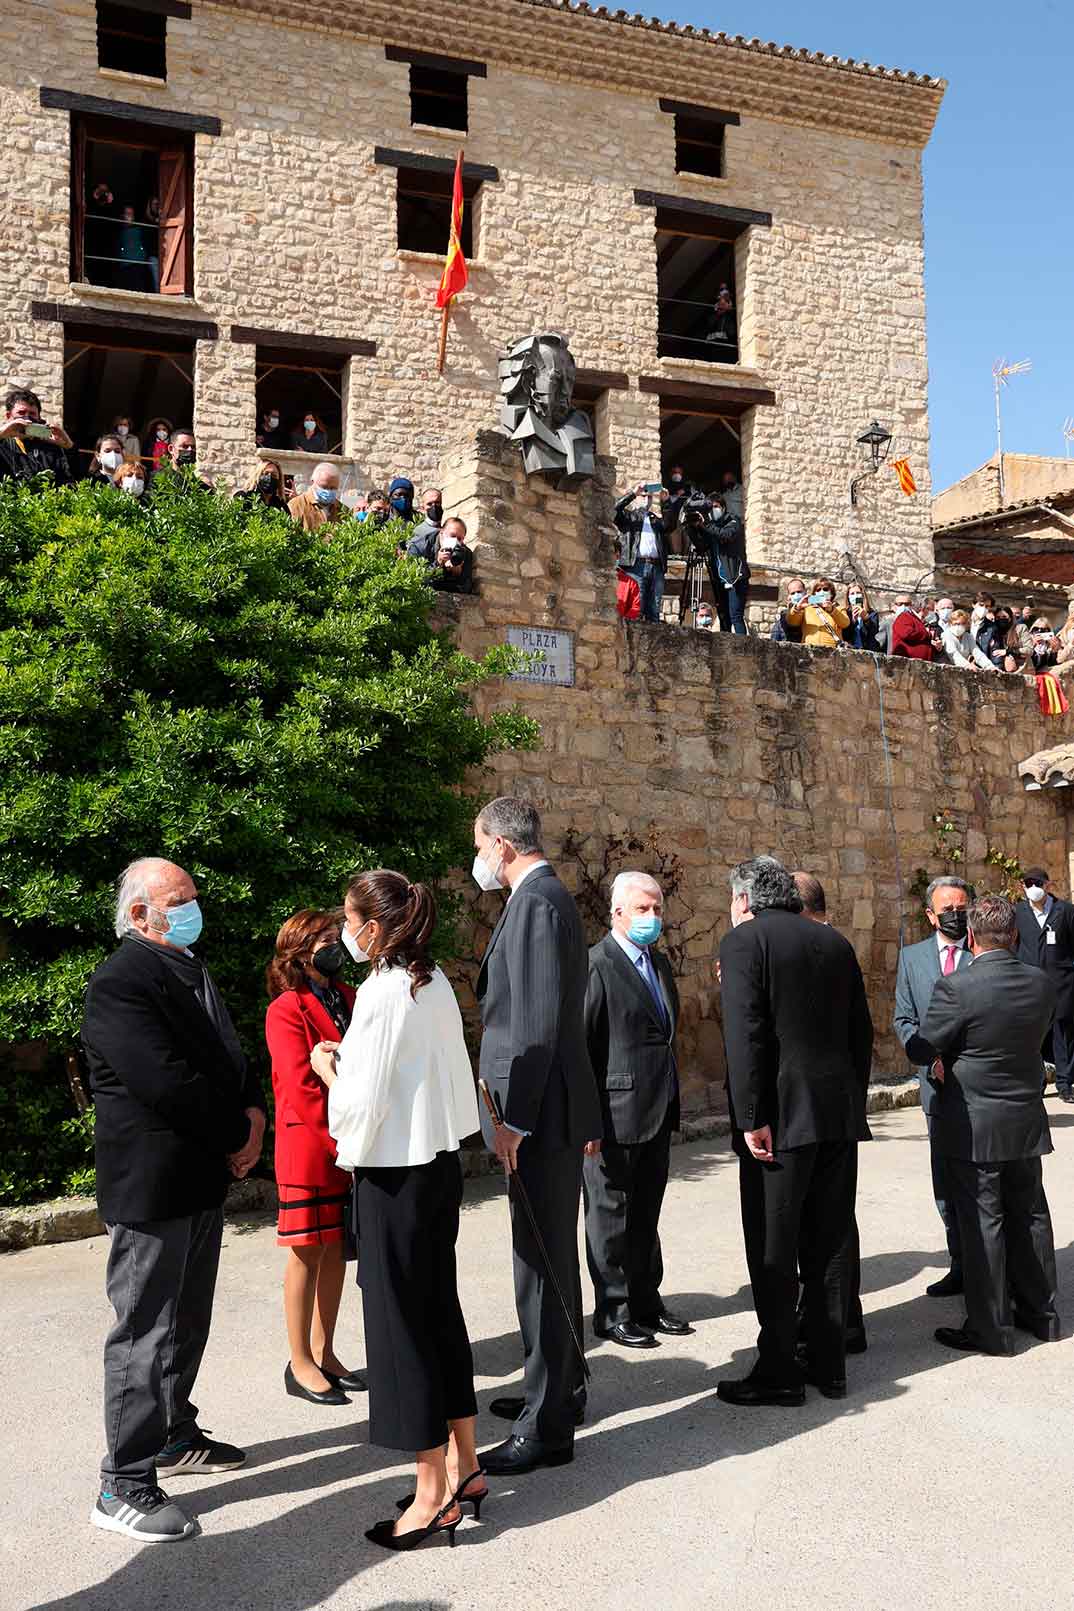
(1053, 701)
(905, 475)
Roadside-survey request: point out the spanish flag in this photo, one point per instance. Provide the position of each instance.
(905, 475)
(453, 280)
(1053, 701)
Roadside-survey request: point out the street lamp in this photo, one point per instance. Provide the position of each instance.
(878, 441)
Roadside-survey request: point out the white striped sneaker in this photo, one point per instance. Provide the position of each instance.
(147, 1515)
(199, 1454)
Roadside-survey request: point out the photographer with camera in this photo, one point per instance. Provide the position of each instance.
(642, 548)
(721, 538)
(28, 446)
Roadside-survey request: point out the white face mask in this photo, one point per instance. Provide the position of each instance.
(1034, 893)
(351, 942)
(111, 459)
(449, 542)
(122, 431)
(133, 484)
(274, 420)
(484, 876)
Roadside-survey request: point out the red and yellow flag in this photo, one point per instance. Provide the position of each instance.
(453, 280)
(1053, 701)
(905, 475)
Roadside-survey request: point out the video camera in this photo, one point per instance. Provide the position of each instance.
(695, 511)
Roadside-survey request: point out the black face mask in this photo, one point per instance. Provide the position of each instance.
(185, 456)
(266, 483)
(434, 512)
(330, 959)
(952, 923)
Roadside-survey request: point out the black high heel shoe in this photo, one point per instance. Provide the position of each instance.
(331, 1395)
(459, 1497)
(352, 1381)
(382, 1533)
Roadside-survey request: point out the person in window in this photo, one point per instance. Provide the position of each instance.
(782, 631)
(121, 427)
(152, 239)
(722, 331)
(728, 566)
(129, 477)
(157, 436)
(101, 234)
(271, 433)
(311, 437)
(106, 460)
(132, 249)
(732, 494)
(30, 447)
(319, 507)
(679, 489)
(642, 548)
(266, 488)
(864, 621)
(401, 497)
(822, 621)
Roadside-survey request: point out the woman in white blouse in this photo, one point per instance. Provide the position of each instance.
(400, 1099)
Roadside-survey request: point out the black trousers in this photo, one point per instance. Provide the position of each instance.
(855, 1314)
(418, 1359)
(941, 1191)
(1063, 1054)
(160, 1281)
(796, 1216)
(553, 1383)
(1007, 1247)
(623, 1188)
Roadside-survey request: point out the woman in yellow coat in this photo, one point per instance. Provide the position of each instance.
(822, 620)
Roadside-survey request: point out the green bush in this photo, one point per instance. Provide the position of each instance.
(270, 710)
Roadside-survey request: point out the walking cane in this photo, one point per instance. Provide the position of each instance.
(495, 1111)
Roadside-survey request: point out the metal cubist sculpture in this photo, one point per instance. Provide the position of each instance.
(536, 390)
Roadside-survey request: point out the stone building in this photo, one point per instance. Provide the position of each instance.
(211, 209)
(1018, 545)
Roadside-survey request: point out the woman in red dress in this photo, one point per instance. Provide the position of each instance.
(308, 1004)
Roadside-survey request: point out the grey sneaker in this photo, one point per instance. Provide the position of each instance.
(199, 1454)
(147, 1515)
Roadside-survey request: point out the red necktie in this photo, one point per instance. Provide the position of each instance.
(949, 959)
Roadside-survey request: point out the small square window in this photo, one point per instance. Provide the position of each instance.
(423, 211)
(698, 146)
(131, 40)
(438, 98)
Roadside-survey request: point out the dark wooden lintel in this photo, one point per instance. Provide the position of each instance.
(354, 346)
(387, 158)
(147, 324)
(682, 394)
(703, 114)
(704, 209)
(156, 116)
(442, 64)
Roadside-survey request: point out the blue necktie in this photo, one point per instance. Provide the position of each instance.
(648, 973)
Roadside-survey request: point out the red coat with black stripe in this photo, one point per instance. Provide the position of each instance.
(305, 1152)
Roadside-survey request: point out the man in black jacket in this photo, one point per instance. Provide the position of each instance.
(1046, 940)
(535, 1060)
(643, 550)
(28, 446)
(631, 1012)
(987, 1021)
(177, 1116)
(728, 566)
(799, 1045)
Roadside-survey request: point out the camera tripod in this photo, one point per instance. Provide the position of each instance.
(698, 566)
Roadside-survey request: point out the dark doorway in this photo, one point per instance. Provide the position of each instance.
(299, 388)
(137, 375)
(697, 302)
(705, 444)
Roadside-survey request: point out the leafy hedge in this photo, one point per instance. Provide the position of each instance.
(181, 678)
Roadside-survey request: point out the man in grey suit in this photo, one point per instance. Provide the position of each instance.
(944, 952)
(988, 1022)
(535, 1061)
(631, 1013)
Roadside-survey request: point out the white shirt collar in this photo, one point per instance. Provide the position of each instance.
(520, 881)
(943, 941)
(634, 952)
(1041, 912)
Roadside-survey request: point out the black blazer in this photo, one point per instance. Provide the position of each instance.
(987, 1022)
(1057, 959)
(631, 1049)
(797, 1031)
(532, 992)
(170, 1103)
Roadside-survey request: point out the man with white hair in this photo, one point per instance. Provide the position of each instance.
(319, 505)
(631, 1013)
(177, 1116)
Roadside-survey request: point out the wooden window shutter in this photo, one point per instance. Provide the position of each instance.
(78, 200)
(175, 232)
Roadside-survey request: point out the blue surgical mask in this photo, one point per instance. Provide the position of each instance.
(399, 505)
(325, 494)
(644, 930)
(184, 923)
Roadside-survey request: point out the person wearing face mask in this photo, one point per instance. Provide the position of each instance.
(121, 427)
(642, 544)
(159, 433)
(129, 477)
(679, 488)
(947, 901)
(908, 635)
(107, 458)
(453, 569)
(821, 620)
(266, 488)
(178, 1115)
(960, 647)
(631, 1014)
(424, 540)
(309, 1003)
(183, 462)
(400, 1100)
(704, 620)
(310, 436)
(1046, 939)
(319, 507)
(271, 433)
(401, 497)
(782, 631)
(864, 621)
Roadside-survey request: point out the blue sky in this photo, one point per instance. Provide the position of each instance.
(999, 218)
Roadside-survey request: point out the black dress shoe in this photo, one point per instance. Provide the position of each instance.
(1066, 1095)
(331, 1395)
(517, 1455)
(830, 1386)
(751, 1391)
(674, 1325)
(967, 1342)
(351, 1381)
(949, 1286)
(509, 1409)
(627, 1334)
(1046, 1329)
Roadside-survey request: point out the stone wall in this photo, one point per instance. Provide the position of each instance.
(295, 231)
(717, 748)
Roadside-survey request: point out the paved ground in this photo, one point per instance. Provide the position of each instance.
(940, 1481)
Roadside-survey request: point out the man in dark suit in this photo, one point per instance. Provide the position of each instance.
(177, 1116)
(920, 966)
(535, 1061)
(631, 1012)
(1046, 940)
(988, 1022)
(799, 1044)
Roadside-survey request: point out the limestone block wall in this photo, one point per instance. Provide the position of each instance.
(296, 231)
(718, 748)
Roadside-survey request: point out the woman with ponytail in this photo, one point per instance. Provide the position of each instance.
(400, 1099)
